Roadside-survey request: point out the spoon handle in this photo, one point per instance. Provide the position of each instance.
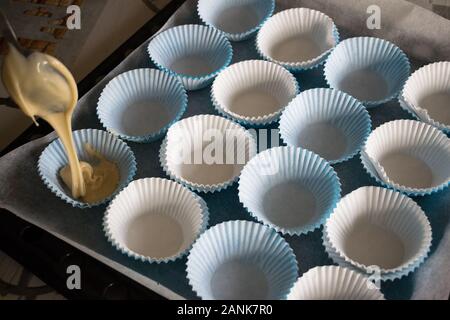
(9, 34)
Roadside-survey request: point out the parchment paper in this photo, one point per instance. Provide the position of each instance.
(422, 34)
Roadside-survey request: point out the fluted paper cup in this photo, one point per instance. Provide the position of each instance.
(298, 38)
(372, 70)
(206, 153)
(328, 122)
(373, 272)
(292, 190)
(193, 53)
(155, 220)
(237, 19)
(377, 227)
(409, 156)
(141, 104)
(334, 283)
(253, 92)
(426, 95)
(241, 260)
(54, 158)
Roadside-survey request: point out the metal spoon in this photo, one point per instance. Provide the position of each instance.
(10, 36)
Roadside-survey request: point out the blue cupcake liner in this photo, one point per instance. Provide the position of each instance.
(186, 40)
(140, 86)
(139, 257)
(205, 119)
(287, 165)
(323, 105)
(249, 242)
(368, 53)
(385, 275)
(306, 65)
(245, 66)
(426, 131)
(428, 79)
(416, 114)
(334, 283)
(208, 7)
(333, 255)
(53, 158)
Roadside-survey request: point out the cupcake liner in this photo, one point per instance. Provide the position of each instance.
(155, 220)
(237, 19)
(426, 95)
(140, 105)
(53, 158)
(253, 92)
(383, 276)
(193, 53)
(374, 226)
(297, 38)
(409, 156)
(241, 260)
(334, 283)
(326, 121)
(370, 69)
(292, 190)
(206, 153)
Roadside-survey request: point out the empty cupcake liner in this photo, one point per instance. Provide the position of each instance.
(241, 260)
(237, 19)
(373, 272)
(193, 53)
(426, 95)
(409, 156)
(206, 153)
(253, 92)
(53, 158)
(379, 227)
(372, 70)
(334, 283)
(155, 220)
(292, 190)
(140, 105)
(328, 122)
(297, 38)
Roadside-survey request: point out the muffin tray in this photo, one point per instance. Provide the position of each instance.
(31, 200)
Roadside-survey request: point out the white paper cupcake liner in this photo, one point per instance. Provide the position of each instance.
(193, 53)
(379, 227)
(206, 153)
(53, 158)
(237, 19)
(334, 283)
(370, 69)
(155, 220)
(292, 190)
(141, 104)
(426, 95)
(253, 92)
(328, 122)
(241, 260)
(374, 274)
(409, 156)
(298, 38)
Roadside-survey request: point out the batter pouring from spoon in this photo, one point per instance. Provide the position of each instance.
(43, 87)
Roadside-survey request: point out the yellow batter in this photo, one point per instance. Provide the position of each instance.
(43, 87)
(101, 177)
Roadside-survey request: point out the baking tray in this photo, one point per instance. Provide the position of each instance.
(29, 198)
